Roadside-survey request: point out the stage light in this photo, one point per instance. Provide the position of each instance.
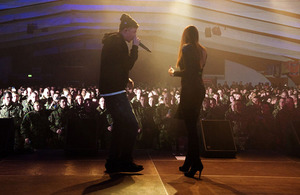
(216, 31)
(207, 32)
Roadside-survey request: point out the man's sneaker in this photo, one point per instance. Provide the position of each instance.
(112, 167)
(130, 167)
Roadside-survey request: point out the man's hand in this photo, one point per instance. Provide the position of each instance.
(136, 41)
(58, 131)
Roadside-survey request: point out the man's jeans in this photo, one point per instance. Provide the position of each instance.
(125, 127)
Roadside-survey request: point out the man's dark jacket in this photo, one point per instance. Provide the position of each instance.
(116, 62)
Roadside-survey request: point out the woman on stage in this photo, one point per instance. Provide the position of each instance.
(191, 61)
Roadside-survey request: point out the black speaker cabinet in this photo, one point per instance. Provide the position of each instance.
(81, 136)
(217, 139)
(7, 134)
(296, 131)
(295, 138)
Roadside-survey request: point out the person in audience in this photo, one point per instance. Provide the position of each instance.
(240, 123)
(54, 103)
(35, 128)
(9, 110)
(28, 106)
(105, 125)
(17, 100)
(163, 115)
(215, 112)
(58, 121)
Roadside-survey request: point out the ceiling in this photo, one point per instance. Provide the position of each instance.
(268, 29)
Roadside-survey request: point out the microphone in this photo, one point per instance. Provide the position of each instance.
(144, 47)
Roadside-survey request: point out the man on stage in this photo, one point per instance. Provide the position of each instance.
(116, 62)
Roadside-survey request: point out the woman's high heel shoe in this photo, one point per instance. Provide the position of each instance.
(194, 169)
(184, 168)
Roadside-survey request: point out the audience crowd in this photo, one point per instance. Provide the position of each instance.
(261, 116)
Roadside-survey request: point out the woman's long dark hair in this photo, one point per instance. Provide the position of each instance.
(190, 35)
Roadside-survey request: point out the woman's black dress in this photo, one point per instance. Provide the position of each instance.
(192, 95)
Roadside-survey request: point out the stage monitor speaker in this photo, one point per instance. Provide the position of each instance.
(295, 138)
(217, 139)
(296, 128)
(7, 134)
(81, 136)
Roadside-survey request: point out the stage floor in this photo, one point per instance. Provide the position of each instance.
(51, 172)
